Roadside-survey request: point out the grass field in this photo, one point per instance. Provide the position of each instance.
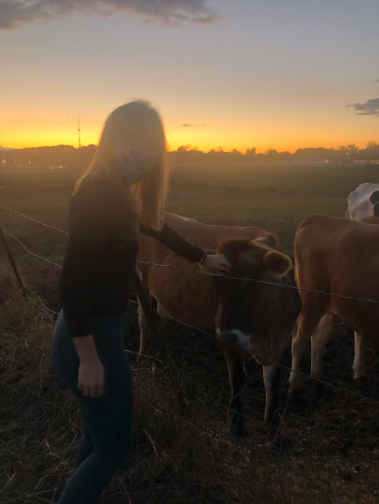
(274, 198)
(183, 452)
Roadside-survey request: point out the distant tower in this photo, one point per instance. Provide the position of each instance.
(79, 143)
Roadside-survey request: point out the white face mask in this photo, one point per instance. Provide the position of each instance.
(133, 163)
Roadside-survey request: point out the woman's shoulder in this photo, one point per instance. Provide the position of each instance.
(96, 189)
(101, 198)
(95, 183)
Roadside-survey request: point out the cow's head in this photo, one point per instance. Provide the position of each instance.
(249, 311)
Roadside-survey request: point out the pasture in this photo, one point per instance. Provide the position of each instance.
(183, 452)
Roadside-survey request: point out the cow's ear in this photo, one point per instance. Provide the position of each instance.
(219, 245)
(268, 239)
(277, 263)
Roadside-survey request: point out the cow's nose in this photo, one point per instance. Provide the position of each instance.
(233, 337)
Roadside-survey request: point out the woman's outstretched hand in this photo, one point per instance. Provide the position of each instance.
(217, 264)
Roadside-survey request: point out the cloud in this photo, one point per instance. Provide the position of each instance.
(371, 107)
(14, 13)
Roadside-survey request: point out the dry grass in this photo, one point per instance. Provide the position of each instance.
(182, 450)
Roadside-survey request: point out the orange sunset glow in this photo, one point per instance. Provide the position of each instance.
(241, 83)
(263, 136)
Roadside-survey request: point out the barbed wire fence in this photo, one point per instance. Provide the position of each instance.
(338, 388)
(200, 272)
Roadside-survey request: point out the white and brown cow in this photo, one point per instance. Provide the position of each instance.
(247, 316)
(337, 256)
(362, 204)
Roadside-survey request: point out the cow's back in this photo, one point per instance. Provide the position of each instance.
(207, 235)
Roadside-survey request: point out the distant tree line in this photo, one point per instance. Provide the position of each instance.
(60, 156)
(344, 154)
(66, 156)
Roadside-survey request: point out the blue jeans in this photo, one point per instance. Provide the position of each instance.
(107, 420)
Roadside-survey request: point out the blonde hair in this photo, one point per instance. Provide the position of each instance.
(149, 194)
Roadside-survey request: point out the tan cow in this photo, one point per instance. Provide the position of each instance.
(247, 316)
(338, 256)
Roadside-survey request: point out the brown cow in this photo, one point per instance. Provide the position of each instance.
(247, 316)
(338, 256)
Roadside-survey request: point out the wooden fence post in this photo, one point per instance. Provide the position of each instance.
(150, 316)
(11, 260)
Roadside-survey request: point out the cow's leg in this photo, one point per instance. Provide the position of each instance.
(273, 420)
(320, 337)
(145, 330)
(142, 320)
(271, 375)
(308, 319)
(237, 376)
(359, 363)
(271, 380)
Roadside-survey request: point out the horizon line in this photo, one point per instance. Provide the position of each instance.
(190, 148)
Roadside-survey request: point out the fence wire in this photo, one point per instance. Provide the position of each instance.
(214, 275)
(188, 326)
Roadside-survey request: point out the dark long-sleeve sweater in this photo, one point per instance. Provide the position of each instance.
(101, 254)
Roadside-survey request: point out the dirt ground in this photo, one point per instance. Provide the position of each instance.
(337, 430)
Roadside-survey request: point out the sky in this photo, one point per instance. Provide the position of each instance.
(281, 74)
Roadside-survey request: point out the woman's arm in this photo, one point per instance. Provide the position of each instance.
(90, 221)
(79, 263)
(176, 242)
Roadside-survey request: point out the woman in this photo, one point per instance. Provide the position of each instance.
(121, 193)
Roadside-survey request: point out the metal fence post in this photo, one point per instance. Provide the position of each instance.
(11, 260)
